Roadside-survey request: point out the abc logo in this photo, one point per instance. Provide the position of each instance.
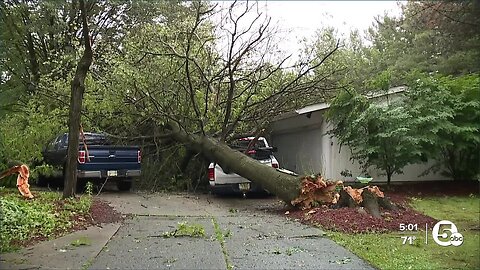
(442, 238)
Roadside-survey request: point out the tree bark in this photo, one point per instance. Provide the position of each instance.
(345, 200)
(77, 90)
(387, 204)
(389, 177)
(285, 186)
(370, 203)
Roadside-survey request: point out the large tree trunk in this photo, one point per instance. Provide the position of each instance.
(370, 202)
(285, 186)
(77, 89)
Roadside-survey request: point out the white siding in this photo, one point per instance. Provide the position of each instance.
(304, 147)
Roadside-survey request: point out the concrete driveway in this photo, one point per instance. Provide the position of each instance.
(239, 234)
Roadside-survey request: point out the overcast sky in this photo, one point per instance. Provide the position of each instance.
(300, 19)
(304, 17)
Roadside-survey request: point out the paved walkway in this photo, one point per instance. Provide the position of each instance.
(253, 238)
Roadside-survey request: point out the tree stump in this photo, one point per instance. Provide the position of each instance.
(345, 200)
(370, 197)
(370, 202)
(387, 204)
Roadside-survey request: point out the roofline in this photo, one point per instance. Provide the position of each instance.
(325, 105)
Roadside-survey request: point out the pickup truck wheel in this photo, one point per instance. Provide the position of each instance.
(124, 185)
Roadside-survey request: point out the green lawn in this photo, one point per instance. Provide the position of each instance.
(386, 251)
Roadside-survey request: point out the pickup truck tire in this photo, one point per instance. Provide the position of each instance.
(124, 185)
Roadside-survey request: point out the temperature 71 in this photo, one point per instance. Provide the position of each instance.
(408, 239)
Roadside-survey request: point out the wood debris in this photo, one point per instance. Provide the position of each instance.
(315, 190)
(22, 179)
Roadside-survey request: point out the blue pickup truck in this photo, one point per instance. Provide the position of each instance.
(119, 163)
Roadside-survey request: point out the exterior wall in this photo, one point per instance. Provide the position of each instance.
(294, 138)
(305, 148)
(295, 151)
(341, 161)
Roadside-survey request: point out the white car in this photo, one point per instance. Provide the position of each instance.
(224, 181)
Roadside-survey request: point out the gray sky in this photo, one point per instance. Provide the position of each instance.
(303, 18)
(300, 19)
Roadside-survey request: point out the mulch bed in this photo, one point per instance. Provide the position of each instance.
(356, 220)
(102, 212)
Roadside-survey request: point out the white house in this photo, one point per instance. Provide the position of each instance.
(305, 148)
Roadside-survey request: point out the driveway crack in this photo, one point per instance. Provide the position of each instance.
(220, 236)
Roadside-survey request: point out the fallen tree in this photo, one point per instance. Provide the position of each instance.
(304, 192)
(285, 186)
(205, 96)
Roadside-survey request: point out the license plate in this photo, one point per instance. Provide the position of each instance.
(244, 186)
(111, 173)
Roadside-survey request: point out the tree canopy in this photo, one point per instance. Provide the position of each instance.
(433, 49)
(205, 70)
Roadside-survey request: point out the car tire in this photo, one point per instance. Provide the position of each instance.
(124, 185)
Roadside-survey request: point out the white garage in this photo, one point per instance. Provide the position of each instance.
(305, 148)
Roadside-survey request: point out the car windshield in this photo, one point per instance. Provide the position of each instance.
(242, 144)
(91, 139)
(258, 151)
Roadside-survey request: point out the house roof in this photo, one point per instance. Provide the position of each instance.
(325, 105)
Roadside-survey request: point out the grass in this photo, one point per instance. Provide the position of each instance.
(185, 229)
(44, 216)
(465, 213)
(221, 236)
(82, 241)
(387, 251)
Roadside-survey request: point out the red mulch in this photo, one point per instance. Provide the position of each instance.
(354, 220)
(102, 212)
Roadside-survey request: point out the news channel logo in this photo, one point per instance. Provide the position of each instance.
(445, 233)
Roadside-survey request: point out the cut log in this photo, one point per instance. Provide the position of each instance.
(370, 202)
(345, 200)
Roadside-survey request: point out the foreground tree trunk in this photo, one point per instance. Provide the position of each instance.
(285, 186)
(77, 90)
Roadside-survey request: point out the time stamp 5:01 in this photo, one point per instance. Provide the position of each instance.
(444, 233)
(409, 228)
